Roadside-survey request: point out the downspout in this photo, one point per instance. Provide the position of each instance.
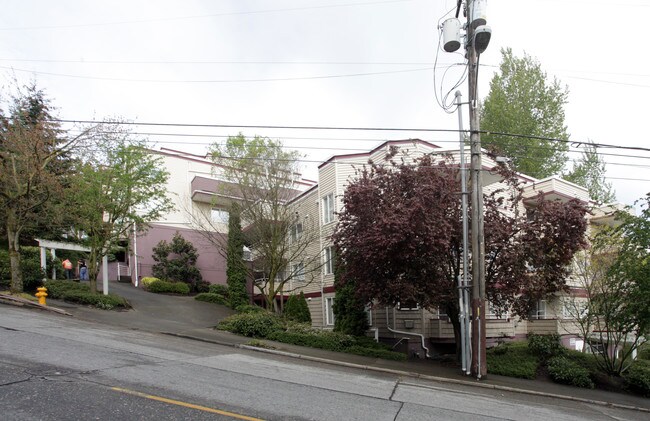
(426, 350)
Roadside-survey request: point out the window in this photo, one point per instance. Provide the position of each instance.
(492, 313)
(328, 208)
(298, 271)
(539, 310)
(408, 305)
(574, 309)
(219, 215)
(329, 260)
(329, 311)
(296, 232)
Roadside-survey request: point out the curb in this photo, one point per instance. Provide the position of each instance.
(412, 374)
(22, 302)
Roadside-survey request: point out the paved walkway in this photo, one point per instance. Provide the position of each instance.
(186, 317)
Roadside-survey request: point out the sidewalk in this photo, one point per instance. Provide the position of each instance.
(188, 318)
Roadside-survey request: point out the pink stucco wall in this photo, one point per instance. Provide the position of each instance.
(211, 264)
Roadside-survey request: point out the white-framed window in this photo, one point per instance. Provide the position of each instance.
(573, 308)
(296, 232)
(539, 310)
(298, 271)
(329, 311)
(219, 215)
(329, 260)
(328, 208)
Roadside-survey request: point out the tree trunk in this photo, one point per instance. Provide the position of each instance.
(453, 313)
(14, 255)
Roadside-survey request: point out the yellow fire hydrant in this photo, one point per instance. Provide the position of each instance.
(41, 294)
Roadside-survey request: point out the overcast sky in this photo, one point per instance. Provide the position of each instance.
(325, 63)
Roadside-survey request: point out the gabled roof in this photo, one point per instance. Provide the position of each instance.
(383, 145)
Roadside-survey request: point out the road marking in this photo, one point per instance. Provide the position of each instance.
(185, 404)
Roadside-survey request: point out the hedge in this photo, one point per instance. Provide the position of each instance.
(80, 293)
(638, 377)
(211, 298)
(218, 289)
(545, 346)
(166, 287)
(257, 325)
(266, 325)
(562, 370)
(512, 360)
(147, 280)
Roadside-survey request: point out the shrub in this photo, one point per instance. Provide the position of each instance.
(332, 341)
(58, 289)
(202, 286)
(211, 298)
(512, 360)
(296, 309)
(218, 289)
(545, 346)
(169, 287)
(176, 261)
(30, 267)
(638, 377)
(562, 370)
(249, 308)
(259, 324)
(147, 280)
(80, 293)
(644, 352)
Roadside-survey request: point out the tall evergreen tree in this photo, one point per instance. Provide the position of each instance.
(235, 265)
(349, 311)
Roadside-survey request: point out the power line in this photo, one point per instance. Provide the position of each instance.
(378, 129)
(282, 79)
(178, 18)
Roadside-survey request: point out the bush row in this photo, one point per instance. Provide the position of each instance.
(211, 298)
(166, 287)
(80, 293)
(638, 377)
(266, 325)
(563, 370)
(513, 360)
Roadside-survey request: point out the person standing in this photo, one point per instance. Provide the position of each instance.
(83, 270)
(67, 266)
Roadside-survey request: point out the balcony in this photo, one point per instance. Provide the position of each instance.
(211, 190)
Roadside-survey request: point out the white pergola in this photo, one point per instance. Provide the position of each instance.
(60, 245)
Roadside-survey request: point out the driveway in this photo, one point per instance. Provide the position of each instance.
(152, 312)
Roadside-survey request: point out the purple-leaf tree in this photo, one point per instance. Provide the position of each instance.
(399, 237)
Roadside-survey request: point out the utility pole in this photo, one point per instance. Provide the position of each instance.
(479, 367)
(477, 38)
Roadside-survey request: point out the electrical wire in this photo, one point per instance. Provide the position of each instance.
(199, 81)
(178, 18)
(379, 129)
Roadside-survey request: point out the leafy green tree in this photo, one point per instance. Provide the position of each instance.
(620, 300)
(122, 183)
(264, 177)
(33, 176)
(523, 101)
(296, 309)
(235, 266)
(176, 261)
(589, 172)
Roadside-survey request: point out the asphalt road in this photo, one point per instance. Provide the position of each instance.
(54, 367)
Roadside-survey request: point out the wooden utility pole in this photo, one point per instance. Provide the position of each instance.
(479, 366)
